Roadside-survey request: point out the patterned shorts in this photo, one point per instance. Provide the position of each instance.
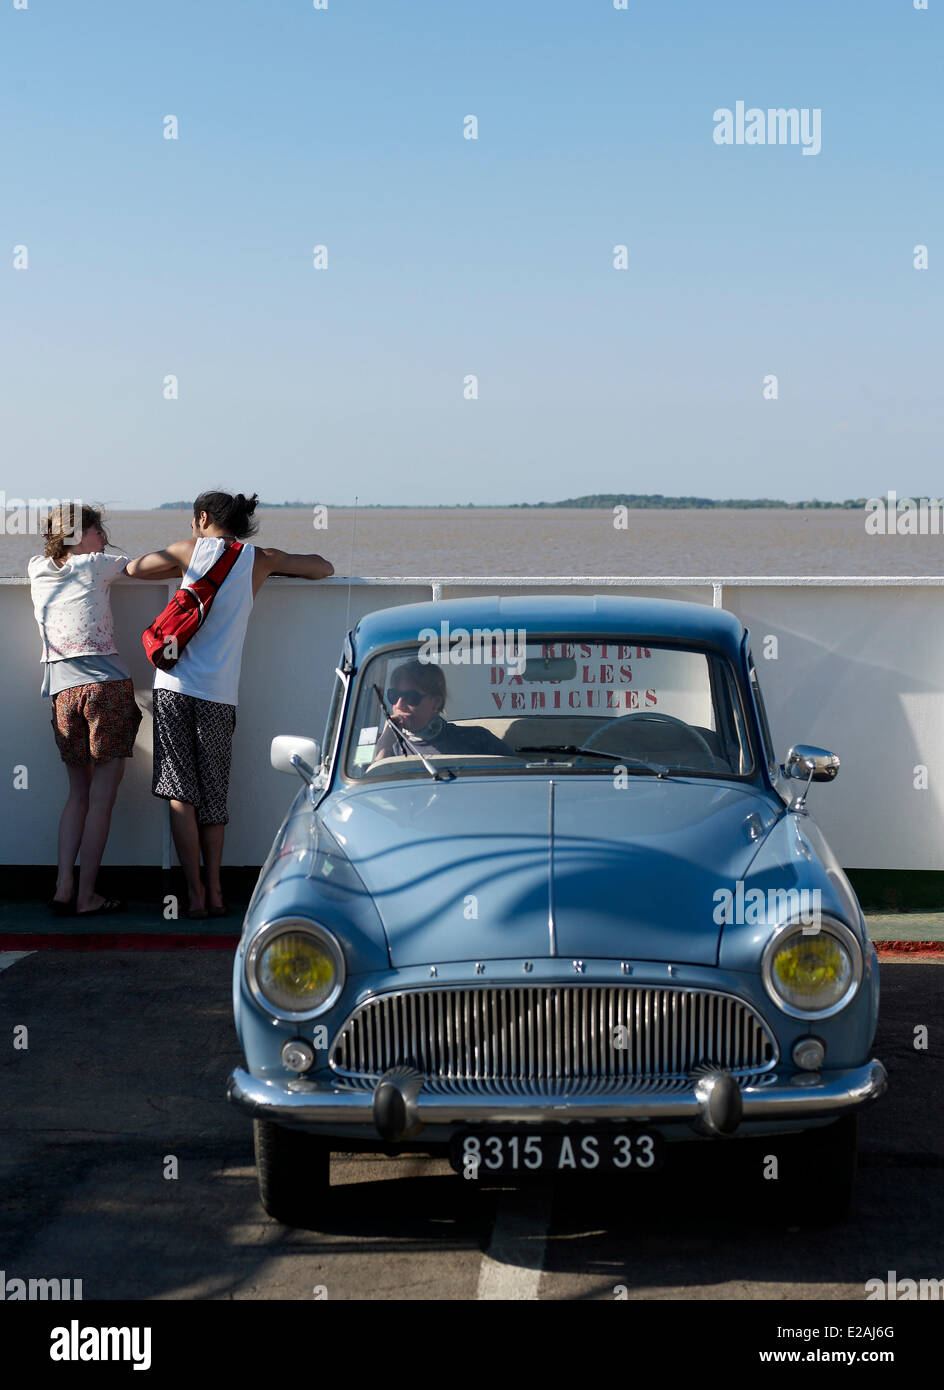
(93, 723)
(193, 742)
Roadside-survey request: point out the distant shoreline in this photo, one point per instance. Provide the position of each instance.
(597, 502)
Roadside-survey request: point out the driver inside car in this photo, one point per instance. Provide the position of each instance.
(416, 697)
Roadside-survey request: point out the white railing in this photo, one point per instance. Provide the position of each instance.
(859, 668)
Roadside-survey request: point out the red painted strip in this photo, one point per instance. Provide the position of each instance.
(909, 948)
(114, 941)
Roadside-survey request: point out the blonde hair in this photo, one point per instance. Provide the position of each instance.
(60, 523)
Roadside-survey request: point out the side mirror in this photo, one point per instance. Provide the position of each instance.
(295, 753)
(813, 764)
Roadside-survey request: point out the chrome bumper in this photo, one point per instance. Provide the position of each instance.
(401, 1106)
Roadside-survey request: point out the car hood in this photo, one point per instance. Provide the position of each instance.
(470, 870)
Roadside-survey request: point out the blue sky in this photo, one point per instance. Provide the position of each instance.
(449, 257)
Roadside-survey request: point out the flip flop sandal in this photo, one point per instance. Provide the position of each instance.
(221, 911)
(62, 909)
(196, 914)
(108, 906)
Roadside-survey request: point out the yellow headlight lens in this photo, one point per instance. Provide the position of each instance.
(812, 972)
(296, 972)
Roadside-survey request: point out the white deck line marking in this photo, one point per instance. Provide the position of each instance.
(8, 958)
(511, 1267)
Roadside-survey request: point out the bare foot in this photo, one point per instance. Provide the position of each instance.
(64, 891)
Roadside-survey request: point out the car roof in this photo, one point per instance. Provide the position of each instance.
(588, 615)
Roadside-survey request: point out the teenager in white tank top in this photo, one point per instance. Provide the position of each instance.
(209, 664)
(208, 670)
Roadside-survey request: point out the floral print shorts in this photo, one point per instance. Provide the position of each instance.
(93, 723)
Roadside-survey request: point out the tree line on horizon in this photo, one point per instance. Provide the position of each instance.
(635, 501)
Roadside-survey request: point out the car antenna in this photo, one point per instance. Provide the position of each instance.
(350, 571)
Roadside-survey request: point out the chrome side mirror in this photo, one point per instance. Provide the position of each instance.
(295, 753)
(815, 764)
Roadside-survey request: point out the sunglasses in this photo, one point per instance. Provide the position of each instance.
(409, 697)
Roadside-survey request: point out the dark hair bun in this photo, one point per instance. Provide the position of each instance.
(231, 513)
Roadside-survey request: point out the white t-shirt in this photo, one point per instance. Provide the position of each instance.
(72, 604)
(209, 664)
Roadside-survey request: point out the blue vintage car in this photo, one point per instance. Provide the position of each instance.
(546, 899)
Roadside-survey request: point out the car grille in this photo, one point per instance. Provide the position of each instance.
(517, 1038)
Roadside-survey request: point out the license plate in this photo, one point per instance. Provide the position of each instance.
(480, 1153)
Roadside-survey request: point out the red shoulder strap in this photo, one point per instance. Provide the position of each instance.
(218, 571)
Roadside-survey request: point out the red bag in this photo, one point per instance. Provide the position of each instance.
(186, 613)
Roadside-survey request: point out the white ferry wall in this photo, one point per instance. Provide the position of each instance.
(857, 666)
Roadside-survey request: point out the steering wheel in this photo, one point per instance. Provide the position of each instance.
(693, 735)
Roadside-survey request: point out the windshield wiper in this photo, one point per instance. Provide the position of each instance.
(441, 774)
(631, 764)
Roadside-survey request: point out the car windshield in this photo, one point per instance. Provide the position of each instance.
(587, 706)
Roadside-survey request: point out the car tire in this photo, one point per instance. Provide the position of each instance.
(818, 1173)
(293, 1169)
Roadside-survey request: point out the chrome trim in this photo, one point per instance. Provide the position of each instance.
(536, 1034)
(551, 924)
(278, 927)
(720, 1102)
(815, 764)
(775, 1097)
(843, 934)
(329, 755)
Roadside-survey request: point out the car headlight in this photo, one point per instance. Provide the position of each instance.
(295, 968)
(812, 973)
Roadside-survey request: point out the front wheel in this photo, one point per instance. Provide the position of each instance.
(293, 1169)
